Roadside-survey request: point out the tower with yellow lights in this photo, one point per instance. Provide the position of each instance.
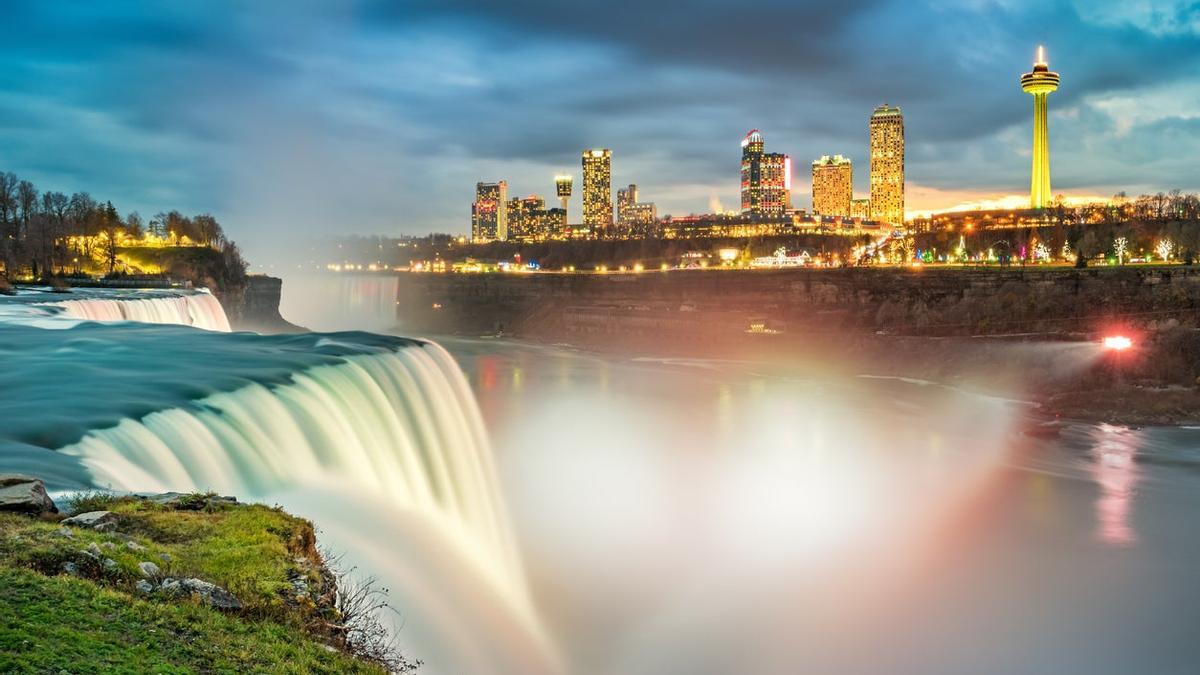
(1040, 83)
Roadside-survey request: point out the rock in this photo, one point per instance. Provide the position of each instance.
(65, 532)
(208, 593)
(71, 568)
(134, 546)
(144, 586)
(149, 569)
(110, 565)
(24, 494)
(101, 521)
(165, 557)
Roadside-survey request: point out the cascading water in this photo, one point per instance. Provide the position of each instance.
(398, 428)
(199, 309)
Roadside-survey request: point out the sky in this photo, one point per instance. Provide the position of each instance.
(293, 119)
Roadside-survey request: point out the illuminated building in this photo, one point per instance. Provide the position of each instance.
(597, 190)
(626, 198)
(524, 215)
(1040, 83)
(489, 212)
(634, 217)
(562, 187)
(887, 165)
(832, 185)
(766, 179)
(860, 208)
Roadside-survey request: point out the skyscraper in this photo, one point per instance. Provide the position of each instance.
(636, 218)
(626, 198)
(832, 185)
(766, 179)
(887, 165)
(562, 187)
(1040, 83)
(597, 190)
(489, 212)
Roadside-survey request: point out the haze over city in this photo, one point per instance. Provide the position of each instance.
(377, 117)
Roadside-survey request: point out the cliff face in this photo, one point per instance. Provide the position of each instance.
(256, 308)
(728, 304)
(1030, 332)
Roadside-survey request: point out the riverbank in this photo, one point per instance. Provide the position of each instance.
(1032, 334)
(188, 582)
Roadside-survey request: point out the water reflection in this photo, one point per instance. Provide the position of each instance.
(1114, 468)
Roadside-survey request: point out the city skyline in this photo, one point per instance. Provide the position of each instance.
(283, 122)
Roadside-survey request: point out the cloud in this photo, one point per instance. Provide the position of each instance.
(371, 116)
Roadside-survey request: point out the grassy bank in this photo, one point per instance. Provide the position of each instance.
(78, 599)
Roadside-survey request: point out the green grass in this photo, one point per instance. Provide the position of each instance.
(99, 621)
(54, 624)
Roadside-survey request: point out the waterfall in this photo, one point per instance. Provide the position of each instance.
(200, 309)
(398, 427)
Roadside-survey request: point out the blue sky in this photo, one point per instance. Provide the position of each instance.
(307, 117)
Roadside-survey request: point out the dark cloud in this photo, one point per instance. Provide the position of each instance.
(380, 116)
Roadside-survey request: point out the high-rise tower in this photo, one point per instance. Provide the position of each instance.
(832, 185)
(597, 190)
(489, 212)
(887, 165)
(1040, 83)
(766, 179)
(562, 186)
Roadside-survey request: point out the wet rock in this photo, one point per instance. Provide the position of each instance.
(101, 521)
(207, 593)
(149, 570)
(24, 494)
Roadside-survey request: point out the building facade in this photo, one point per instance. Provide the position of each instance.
(635, 217)
(562, 188)
(860, 208)
(489, 212)
(597, 190)
(766, 179)
(832, 186)
(887, 165)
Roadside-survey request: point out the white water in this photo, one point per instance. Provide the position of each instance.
(200, 310)
(389, 452)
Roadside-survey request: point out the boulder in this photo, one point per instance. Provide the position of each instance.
(149, 570)
(24, 494)
(101, 521)
(208, 593)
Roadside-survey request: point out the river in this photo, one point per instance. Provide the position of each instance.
(709, 516)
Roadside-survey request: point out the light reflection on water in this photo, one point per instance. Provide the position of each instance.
(715, 517)
(1115, 470)
(678, 516)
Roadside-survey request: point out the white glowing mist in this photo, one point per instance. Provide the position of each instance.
(400, 430)
(201, 310)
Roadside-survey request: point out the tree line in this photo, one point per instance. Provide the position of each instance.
(46, 234)
(1122, 229)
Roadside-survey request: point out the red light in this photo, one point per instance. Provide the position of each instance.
(1117, 343)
